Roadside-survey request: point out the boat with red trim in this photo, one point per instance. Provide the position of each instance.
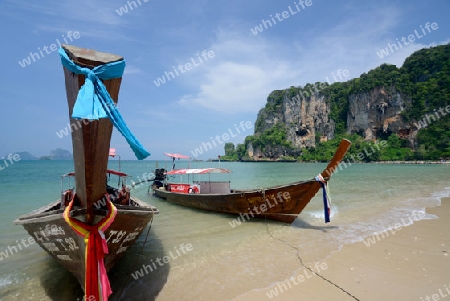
(280, 203)
(93, 224)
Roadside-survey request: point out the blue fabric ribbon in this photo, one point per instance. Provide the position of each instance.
(326, 203)
(326, 208)
(94, 102)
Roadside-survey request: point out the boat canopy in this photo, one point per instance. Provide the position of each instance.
(110, 171)
(197, 171)
(177, 156)
(117, 173)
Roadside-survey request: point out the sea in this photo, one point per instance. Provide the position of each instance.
(210, 256)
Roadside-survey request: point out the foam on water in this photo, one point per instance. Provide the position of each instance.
(7, 280)
(405, 212)
(319, 214)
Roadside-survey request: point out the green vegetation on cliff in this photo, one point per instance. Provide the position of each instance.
(424, 78)
(230, 153)
(268, 142)
(270, 139)
(392, 149)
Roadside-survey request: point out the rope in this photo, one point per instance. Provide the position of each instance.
(134, 184)
(136, 258)
(263, 192)
(306, 267)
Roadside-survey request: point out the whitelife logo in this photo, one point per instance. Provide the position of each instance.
(411, 38)
(48, 49)
(187, 66)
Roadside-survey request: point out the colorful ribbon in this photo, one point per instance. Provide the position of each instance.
(326, 198)
(96, 279)
(94, 102)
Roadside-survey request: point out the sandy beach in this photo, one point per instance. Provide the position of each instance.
(411, 264)
(257, 259)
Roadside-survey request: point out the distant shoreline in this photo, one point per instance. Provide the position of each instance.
(278, 161)
(411, 162)
(358, 162)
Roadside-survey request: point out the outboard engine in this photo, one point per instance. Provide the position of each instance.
(160, 177)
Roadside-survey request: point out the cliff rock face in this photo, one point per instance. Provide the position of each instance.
(386, 102)
(307, 119)
(376, 113)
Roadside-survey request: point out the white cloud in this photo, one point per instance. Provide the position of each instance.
(92, 19)
(240, 76)
(230, 86)
(83, 11)
(246, 68)
(397, 57)
(130, 69)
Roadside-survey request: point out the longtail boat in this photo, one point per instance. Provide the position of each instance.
(280, 203)
(93, 224)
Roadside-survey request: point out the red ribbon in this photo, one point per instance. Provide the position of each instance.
(96, 279)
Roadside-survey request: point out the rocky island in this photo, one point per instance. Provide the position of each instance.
(408, 107)
(56, 154)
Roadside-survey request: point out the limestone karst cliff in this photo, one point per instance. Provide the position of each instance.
(408, 105)
(377, 113)
(306, 118)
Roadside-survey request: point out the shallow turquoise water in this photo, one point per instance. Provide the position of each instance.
(226, 261)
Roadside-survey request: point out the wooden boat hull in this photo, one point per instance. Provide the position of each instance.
(281, 203)
(91, 96)
(54, 235)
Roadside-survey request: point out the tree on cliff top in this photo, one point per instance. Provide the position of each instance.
(424, 77)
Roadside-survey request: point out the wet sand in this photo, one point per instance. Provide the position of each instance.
(412, 264)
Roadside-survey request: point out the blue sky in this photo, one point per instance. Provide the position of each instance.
(303, 45)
